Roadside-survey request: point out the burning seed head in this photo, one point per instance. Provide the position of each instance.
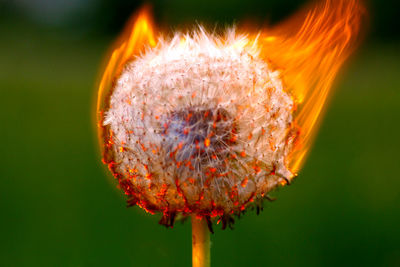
(199, 126)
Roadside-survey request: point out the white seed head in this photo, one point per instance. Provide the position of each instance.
(200, 124)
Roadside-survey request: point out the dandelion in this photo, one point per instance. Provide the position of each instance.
(205, 125)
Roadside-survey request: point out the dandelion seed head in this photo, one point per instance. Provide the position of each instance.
(200, 124)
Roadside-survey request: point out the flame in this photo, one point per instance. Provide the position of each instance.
(138, 35)
(308, 50)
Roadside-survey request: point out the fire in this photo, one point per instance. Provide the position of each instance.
(138, 34)
(309, 56)
(175, 152)
(308, 49)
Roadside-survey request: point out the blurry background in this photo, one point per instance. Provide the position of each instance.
(59, 208)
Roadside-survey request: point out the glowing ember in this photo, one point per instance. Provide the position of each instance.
(204, 124)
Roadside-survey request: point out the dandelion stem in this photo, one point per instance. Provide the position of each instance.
(200, 243)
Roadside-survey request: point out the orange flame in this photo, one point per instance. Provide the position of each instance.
(131, 42)
(308, 50)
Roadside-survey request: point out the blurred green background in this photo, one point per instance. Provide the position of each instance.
(59, 207)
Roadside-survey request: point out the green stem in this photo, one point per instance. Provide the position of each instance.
(200, 243)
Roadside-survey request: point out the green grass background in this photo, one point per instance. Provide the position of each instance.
(60, 208)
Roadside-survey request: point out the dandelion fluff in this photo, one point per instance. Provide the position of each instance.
(200, 125)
